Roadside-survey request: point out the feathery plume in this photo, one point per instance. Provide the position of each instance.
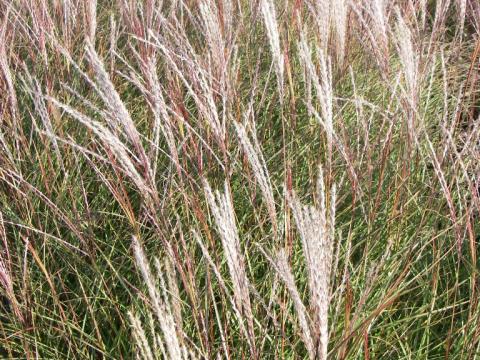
(323, 87)
(113, 143)
(340, 11)
(260, 171)
(316, 232)
(117, 111)
(213, 34)
(223, 213)
(270, 19)
(322, 12)
(41, 109)
(91, 19)
(163, 313)
(140, 337)
(408, 56)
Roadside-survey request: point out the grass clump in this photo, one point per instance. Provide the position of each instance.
(218, 179)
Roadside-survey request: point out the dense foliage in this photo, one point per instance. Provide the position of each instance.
(253, 179)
